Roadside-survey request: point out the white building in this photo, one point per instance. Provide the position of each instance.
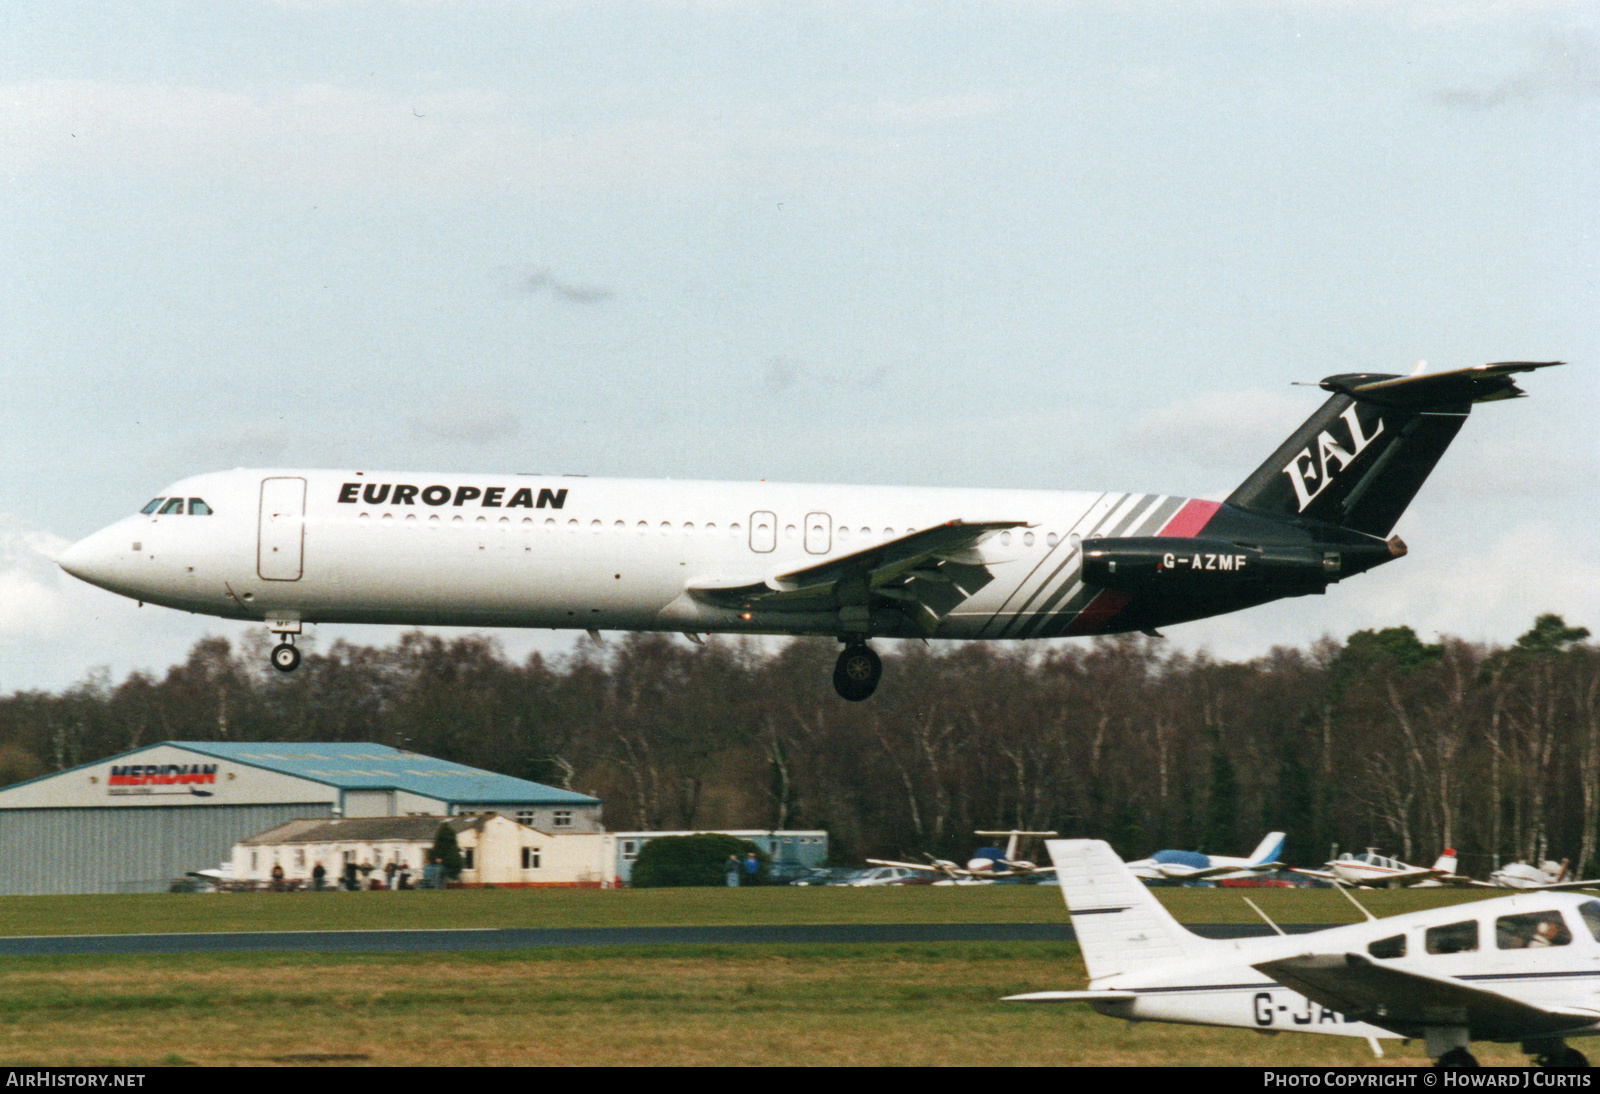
(494, 850)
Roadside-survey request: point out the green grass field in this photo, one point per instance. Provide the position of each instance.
(654, 907)
(922, 1004)
(790, 1004)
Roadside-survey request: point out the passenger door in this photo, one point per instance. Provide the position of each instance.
(819, 533)
(763, 531)
(281, 535)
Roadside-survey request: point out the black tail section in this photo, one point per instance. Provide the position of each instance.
(1359, 460)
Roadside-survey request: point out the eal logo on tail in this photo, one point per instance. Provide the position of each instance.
(1310, 474)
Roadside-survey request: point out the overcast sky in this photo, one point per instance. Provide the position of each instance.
(1049, 245)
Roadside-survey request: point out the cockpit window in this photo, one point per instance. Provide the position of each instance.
(174, 506)
(1530, 930)
(198, 508)
(154, 504)
(1590, 911)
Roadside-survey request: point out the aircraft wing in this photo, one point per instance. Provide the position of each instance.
(1217, 871)
(1406, 1001)
(1410, 877)
(1325, 875)
(925, 574)
(927, 867)
(1558, 886)
(1104, 996)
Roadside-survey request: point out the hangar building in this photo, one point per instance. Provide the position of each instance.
(135, 821)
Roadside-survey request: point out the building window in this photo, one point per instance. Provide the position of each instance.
(630, 850)
(561, 818)
(530, 858)
(525, 816)
(466, 858)
(300, 858)
(255, 861)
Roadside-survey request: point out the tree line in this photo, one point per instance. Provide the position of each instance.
(1379, 740)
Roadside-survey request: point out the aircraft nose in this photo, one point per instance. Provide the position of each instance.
(90, 559)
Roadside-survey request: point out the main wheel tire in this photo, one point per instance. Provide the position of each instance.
(856, 673)
(285, 658)
(1572, 1058)
(1456, 1057)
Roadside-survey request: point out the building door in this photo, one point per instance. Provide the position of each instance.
(763, 531)
(280, 546)
(819, 533)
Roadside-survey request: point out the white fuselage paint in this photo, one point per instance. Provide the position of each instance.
(617, 554)
(1219, 986)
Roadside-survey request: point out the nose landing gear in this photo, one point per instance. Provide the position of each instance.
(857, 672)
(285, 658)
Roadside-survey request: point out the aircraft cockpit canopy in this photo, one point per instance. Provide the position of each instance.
(174, 507)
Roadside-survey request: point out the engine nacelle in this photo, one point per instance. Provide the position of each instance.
(1156, 563)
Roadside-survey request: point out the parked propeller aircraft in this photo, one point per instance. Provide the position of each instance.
(292, 547)
(1518, 969)
(1372, 870)
(1195, 866)
(985, 867)
(1549, 876)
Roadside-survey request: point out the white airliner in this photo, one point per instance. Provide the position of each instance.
(1520, 968)
(291, 547)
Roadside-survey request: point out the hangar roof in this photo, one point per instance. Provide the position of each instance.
(361, 766)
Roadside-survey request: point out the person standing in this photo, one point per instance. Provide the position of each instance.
(319, 877)
(277, 877)
(390, 869)
(732, 869)
(752, 867)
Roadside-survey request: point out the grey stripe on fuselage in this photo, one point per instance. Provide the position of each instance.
(1010, 621)
(1002, 616)
(1073, 596)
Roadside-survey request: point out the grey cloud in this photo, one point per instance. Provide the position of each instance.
(783, 374)
(543, 281)
(1565, 67)
(465, 425)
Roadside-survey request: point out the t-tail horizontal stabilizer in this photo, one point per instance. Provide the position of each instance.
(1359, 460)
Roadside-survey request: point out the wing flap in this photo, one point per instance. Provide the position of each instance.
(924, 574)
(1407, 1002)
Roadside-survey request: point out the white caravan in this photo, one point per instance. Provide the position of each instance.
(1521, 968)
(290, 547)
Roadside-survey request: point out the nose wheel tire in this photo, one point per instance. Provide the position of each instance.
(856, 673)
(285, 658)
(1456, 1057)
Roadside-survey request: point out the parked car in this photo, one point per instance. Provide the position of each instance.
(888, 875)
(826, 875)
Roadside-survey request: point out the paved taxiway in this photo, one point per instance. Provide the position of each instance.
(438, 941)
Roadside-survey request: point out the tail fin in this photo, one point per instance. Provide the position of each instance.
(1120, 924)
(1447, 861)
(1359, 460)
(1268, 849)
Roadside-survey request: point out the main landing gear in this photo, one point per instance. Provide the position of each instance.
(857, 672)
(285, 658)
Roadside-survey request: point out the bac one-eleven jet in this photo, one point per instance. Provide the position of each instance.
(291, 547)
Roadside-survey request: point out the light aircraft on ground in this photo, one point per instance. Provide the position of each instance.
(986, 866)
(1374, 871)
(1548, 876)
(1519, 969)
(1197, 866)
(292, 547)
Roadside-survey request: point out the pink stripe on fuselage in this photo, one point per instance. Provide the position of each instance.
(1189, 520)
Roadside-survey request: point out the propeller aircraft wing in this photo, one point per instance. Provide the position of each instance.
(1409, 1002)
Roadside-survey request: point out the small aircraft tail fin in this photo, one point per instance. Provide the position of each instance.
(1120, 924)
(1268, 850)
(1359, 460)
(1447, 861)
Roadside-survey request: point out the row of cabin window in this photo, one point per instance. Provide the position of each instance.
(688, 528)
(174, 507)
(1529, 930)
